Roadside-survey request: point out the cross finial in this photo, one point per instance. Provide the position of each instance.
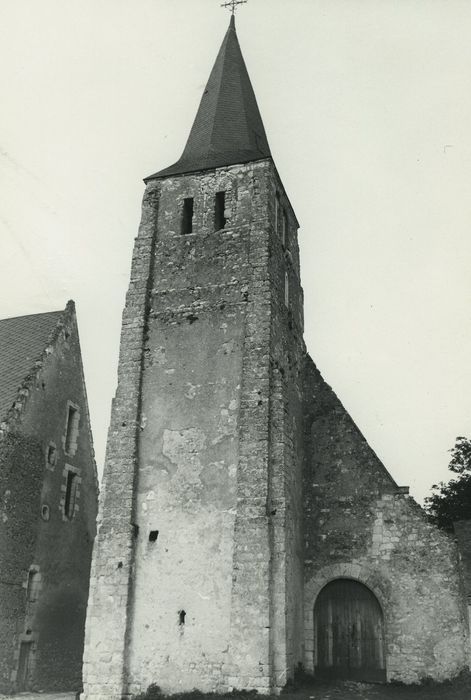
(232, 4)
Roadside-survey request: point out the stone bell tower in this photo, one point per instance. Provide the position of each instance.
(197, 571)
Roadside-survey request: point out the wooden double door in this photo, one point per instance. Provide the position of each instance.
(349, 633)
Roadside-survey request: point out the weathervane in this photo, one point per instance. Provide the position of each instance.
(233, 4)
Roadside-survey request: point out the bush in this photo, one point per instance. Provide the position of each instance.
(300, 680)
(153, 692)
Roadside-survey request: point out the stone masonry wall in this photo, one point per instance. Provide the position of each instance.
(204, 445)
(286, 439)
(21, 470)
(35, 535)
(207, 381)
(359, 524)
(265, 501)
(106, 632)
(188, 454)
(462, 530)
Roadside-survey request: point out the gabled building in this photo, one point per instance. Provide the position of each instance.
(48, 502)
(246, 526)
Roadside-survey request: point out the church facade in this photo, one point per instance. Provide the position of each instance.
(245, 525)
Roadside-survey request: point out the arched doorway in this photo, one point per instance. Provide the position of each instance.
(349, 633)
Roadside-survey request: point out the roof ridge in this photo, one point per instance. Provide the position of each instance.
(86, 408)
(216, 101)
(39, 313)
(224, 43)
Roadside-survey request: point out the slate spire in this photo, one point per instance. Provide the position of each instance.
(228, 128)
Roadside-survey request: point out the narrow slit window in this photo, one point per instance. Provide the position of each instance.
(33, 586)
(72, 428)
(286, 290)
(284, 228)
(219, 211)
(70, 494)
(25, 666)
(181, 617)
(187, 218)
(51, 454)
(45, 512)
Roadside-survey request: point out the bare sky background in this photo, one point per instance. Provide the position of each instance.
(367, 108)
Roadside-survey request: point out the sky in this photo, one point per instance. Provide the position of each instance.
(367, 108)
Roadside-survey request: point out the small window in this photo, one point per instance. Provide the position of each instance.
(284, 229)
(187, 218)
(71, 431)
(219, 211)
(33, 586)
(51, 456)
(70, 494)
(286, 289)
(153, 535)
(45, 512)
(25, 666)
(277, 211)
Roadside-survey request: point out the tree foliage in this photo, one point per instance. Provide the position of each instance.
(451, 501)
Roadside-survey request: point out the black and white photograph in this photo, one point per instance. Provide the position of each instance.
(235, 342)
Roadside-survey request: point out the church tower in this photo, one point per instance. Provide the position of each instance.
(197, 578)
(245, 524)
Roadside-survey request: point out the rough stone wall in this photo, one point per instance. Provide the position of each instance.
(202, 381)
(21, 471)
(261, 619)
(35, 535)
(204, 448)
(462, 530)
(287, 443)
(359, 524)
(188, 452)
(106, 632)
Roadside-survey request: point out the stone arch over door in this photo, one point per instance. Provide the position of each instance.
(365, 596)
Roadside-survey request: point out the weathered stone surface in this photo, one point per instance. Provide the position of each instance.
(462, 530)
(359, 524)
(211, 360)
(35, 534)
(236, 485)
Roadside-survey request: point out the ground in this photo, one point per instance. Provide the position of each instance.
(40, 696)
(460, 689)
(348, 690)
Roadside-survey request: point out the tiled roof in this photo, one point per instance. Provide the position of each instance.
(22, 342)
(228, 128)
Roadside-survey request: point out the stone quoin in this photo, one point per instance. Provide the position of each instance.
(239, 498)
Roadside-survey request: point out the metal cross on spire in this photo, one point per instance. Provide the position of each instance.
(232, 4)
